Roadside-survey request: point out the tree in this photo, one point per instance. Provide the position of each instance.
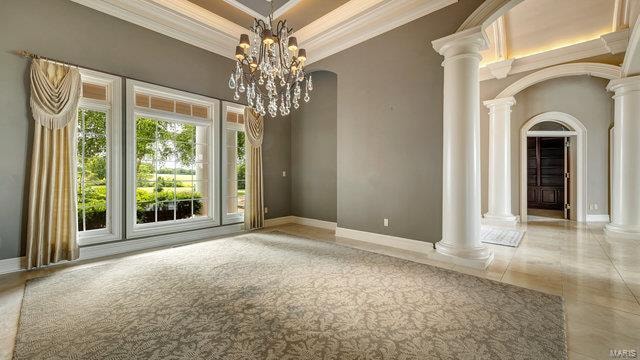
(162, 140)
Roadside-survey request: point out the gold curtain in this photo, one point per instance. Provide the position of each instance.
(52, 215)
(254, 211)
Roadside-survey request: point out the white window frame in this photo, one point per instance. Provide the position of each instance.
(135, 230)
(232, 218)
(113, 108)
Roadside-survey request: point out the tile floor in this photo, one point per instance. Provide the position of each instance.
(598, 277)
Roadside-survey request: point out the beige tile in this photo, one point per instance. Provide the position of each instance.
(604, 318)
(577, 356)
(542, 283)
(620, 301)
(595, 343)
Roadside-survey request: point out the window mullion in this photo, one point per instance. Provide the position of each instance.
(155, 167)
(84, 207)
(175, 185)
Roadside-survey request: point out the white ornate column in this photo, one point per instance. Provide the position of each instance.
(625, 174)
(461, 198)
(500, 161)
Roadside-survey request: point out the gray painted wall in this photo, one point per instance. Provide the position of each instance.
(65, 30)
(314, 152)
(389, 138)
(583, 97)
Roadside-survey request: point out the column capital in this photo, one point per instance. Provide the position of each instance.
(506, 102)
(464, 42)
(624, 84)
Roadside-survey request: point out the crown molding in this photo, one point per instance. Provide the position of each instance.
(360, 20)
(610, 43)
(348, 25)
(179, 19)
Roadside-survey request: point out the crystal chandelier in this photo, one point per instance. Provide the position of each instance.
(270, 68)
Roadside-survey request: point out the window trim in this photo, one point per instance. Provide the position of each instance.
(233, 218)
(135, 230)
(113, 107)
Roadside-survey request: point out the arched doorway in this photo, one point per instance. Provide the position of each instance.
(567, 127)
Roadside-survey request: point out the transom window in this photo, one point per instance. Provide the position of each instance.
(98, 158)
(171, 157)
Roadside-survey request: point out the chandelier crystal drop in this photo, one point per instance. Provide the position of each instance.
(270, 69)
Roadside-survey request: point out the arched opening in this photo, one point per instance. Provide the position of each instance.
(558, 129)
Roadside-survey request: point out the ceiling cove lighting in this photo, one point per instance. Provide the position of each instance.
(270, 68)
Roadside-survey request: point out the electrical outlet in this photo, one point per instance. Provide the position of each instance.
(266, 210)
(595, 206)
(284, 173)
(386, 222)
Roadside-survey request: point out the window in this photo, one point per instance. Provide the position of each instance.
(171, 158)
(234, 163)
(98, 158)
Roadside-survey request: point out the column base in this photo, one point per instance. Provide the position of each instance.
(505, 220)
(622, 231)
(478, 258)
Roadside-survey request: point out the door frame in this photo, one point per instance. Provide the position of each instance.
(577, 129)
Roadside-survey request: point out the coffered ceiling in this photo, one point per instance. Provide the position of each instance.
(535, 31)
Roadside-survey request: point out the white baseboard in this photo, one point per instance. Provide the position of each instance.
(598, 218)
(279, 221)
(373, 238)
(11, 265)
(386, 240)
(300, 220)
(121, 247)
(314, 222)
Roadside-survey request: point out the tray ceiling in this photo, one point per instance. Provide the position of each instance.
(298, 13)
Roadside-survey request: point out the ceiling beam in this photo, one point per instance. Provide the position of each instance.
(360, 20)
(611, 43)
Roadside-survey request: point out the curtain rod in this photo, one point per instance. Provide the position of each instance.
(30, 55)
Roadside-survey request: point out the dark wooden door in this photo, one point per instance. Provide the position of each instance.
(545, 172)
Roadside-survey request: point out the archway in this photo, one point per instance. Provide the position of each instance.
(500, 114)
(577, 129)
(604, 71)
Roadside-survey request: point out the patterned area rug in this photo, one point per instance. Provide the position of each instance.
(501, 236)
(274, 296)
